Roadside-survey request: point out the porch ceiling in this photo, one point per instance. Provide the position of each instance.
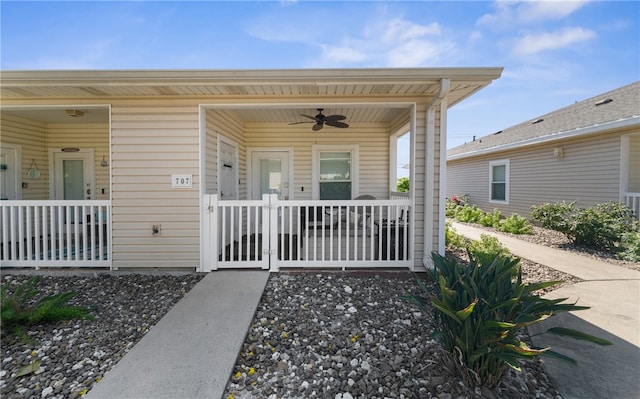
(285, 86)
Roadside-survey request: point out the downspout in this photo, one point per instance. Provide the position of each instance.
(429, 168)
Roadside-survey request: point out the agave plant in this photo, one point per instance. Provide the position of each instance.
(481, 310)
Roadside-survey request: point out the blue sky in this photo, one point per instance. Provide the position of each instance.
(554, 52)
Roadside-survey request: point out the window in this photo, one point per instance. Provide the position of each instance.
(334, 172)
(499, 181)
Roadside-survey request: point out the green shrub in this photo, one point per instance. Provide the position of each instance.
(19, 309)
(602, 226)
(488, 247)
(515, 224)
(491, 219)
(453, 239)
(469, 214)
(555, 215)
(402, 185)
(480, 311)
(630, 246)
(455, 203)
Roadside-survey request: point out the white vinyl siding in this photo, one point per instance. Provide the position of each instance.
(499, 181)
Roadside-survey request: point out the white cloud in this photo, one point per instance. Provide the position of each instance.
(394, 42)
(343, 54)
(535, 43)
(511, 14)
(475, 35)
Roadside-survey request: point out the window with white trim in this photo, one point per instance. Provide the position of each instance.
(499, 181)
(335, 172)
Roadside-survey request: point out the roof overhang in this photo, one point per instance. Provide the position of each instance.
(243, 83)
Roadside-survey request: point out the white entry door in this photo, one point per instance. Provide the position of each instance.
(270, 174)
(73, 175)
(228, 171)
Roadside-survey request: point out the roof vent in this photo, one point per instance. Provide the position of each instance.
(605, 101)
(498, 132)
(537, 121)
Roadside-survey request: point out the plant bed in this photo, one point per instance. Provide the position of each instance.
(64, 359)
(341, 335)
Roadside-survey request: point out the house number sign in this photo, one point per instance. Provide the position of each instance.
(181, 181)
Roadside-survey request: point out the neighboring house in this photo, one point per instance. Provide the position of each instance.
(207, 169)
(588, 151)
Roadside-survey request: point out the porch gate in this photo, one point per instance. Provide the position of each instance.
(271, 233)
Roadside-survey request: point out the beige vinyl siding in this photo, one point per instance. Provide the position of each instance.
(634, 163)
(94, 136)
(588, 172)
(32, 137)
(373, 149)
(223, 123)
(149, 144)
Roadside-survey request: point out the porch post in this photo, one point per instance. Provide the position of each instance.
(209, 242)
(270, 245)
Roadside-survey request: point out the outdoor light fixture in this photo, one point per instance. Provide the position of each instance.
(558, 152)
(74, 113)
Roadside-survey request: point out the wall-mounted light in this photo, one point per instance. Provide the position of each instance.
(558, 152)
(74, 113)
(104, 162)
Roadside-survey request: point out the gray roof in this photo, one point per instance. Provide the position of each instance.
(598, 110)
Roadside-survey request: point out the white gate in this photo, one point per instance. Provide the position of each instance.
(271, 233)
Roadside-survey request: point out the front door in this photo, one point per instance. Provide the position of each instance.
(270, 174)
(228, 171)
(73, 175)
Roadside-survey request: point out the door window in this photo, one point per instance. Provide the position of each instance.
(270, 174)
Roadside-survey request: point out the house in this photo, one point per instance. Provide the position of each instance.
(207, 169)
(588, 151)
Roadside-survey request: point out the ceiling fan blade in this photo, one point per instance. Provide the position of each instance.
(335, 118)
(317, 127)
(309, 116)
(336, 124)
(297, 123)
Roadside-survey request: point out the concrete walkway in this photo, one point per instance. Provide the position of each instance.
(613, 293)
(191, 351)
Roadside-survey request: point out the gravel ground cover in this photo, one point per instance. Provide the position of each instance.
(73, 355)
(349, 335)
(335, 335)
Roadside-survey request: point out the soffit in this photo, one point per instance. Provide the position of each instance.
(288, 86)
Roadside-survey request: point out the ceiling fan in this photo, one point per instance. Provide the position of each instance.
(321, 120)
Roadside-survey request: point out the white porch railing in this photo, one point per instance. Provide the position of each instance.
(55, 234)
(632, 200)
(270, 233)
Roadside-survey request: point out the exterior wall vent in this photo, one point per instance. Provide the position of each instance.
(605, 101)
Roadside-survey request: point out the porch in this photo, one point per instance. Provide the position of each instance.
(273, 234)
